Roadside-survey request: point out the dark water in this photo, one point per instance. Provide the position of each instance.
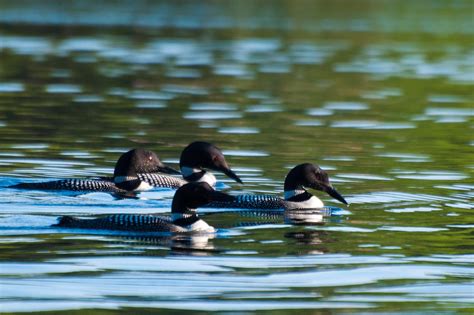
(379, 93)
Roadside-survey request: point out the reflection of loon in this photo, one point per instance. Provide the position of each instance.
(137, 170)
(183, 218)
(195, 244)
(296, 197)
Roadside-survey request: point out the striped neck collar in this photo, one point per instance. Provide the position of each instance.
(198, 175)
(291, 193)
(188, 171)
(184, 219)
(122, 179)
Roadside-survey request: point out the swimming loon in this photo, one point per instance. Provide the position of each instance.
(135, 170)
(138, 170)
(296, 197)
(183, 218)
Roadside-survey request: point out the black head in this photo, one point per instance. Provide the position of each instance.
(197, 194)
(201, 154)
(311, 176)
(140, 161)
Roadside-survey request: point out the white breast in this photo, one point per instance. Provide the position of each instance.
(208, 178)
(200, 226)
(312, 203)
(144, 186)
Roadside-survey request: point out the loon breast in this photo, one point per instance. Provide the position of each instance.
(208, 178)
(200, 226)
(311, 203)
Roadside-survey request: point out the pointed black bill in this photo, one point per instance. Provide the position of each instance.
(220, 196)
(168, 170)
(333, 193)
(231, 174)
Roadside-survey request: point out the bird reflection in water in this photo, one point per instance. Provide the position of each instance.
(194, 244)
(304, 217)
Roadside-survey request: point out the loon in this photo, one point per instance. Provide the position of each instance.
(135, 170)
(183, 218)
(296, 197)
(138, 170)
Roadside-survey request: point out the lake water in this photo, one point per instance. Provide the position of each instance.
(379, 93)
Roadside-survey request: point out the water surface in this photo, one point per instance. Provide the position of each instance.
(377, 95)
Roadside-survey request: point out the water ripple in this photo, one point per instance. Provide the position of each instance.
(430, 175)
(11, 87)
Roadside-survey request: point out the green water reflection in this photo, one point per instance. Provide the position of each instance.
(379, 93)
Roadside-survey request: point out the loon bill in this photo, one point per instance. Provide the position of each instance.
(184, 217)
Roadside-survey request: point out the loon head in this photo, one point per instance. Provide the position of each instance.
(310, 176)
(137, 161)
(200, 155)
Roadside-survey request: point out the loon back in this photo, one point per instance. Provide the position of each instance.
(264, 202)
(104, 185)
(138, 223)
(123, 222)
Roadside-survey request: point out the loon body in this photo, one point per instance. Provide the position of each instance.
(183, 218)
(296, 197)
(141, 170)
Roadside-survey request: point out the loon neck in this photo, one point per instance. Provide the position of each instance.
(129, 182)
(288, 194)
(198, 175)
(301, 195)
(122, 179)
(184, 219)
(303, 198)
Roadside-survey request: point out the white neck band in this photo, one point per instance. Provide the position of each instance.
(121, 179)
(176, 216)
(188, 171)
